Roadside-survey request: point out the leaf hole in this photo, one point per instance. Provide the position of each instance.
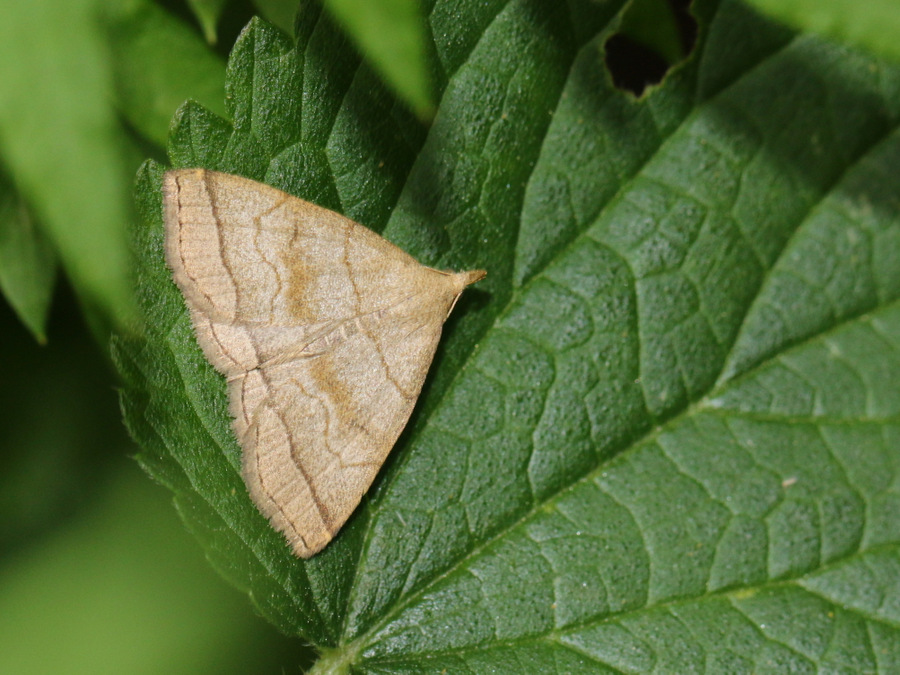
(654, 36)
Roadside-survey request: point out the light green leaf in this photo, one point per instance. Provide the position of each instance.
(871, 25)
(208, 13)
(663, 433)
(391, 36)
(158, 63)
(59, 138)
(27, 263)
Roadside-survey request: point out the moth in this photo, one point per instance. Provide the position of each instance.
(323, 329)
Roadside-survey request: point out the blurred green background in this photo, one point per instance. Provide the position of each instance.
(97, 572)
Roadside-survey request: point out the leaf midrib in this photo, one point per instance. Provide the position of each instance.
(731, 594)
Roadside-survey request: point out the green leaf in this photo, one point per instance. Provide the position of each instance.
(871, 25)
(208, 13)
(391, 35)
(27, 263)
(662, 435)
(278, 12)
(159, 62)
(60, 139)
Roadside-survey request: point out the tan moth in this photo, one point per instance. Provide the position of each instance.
(323, 329)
